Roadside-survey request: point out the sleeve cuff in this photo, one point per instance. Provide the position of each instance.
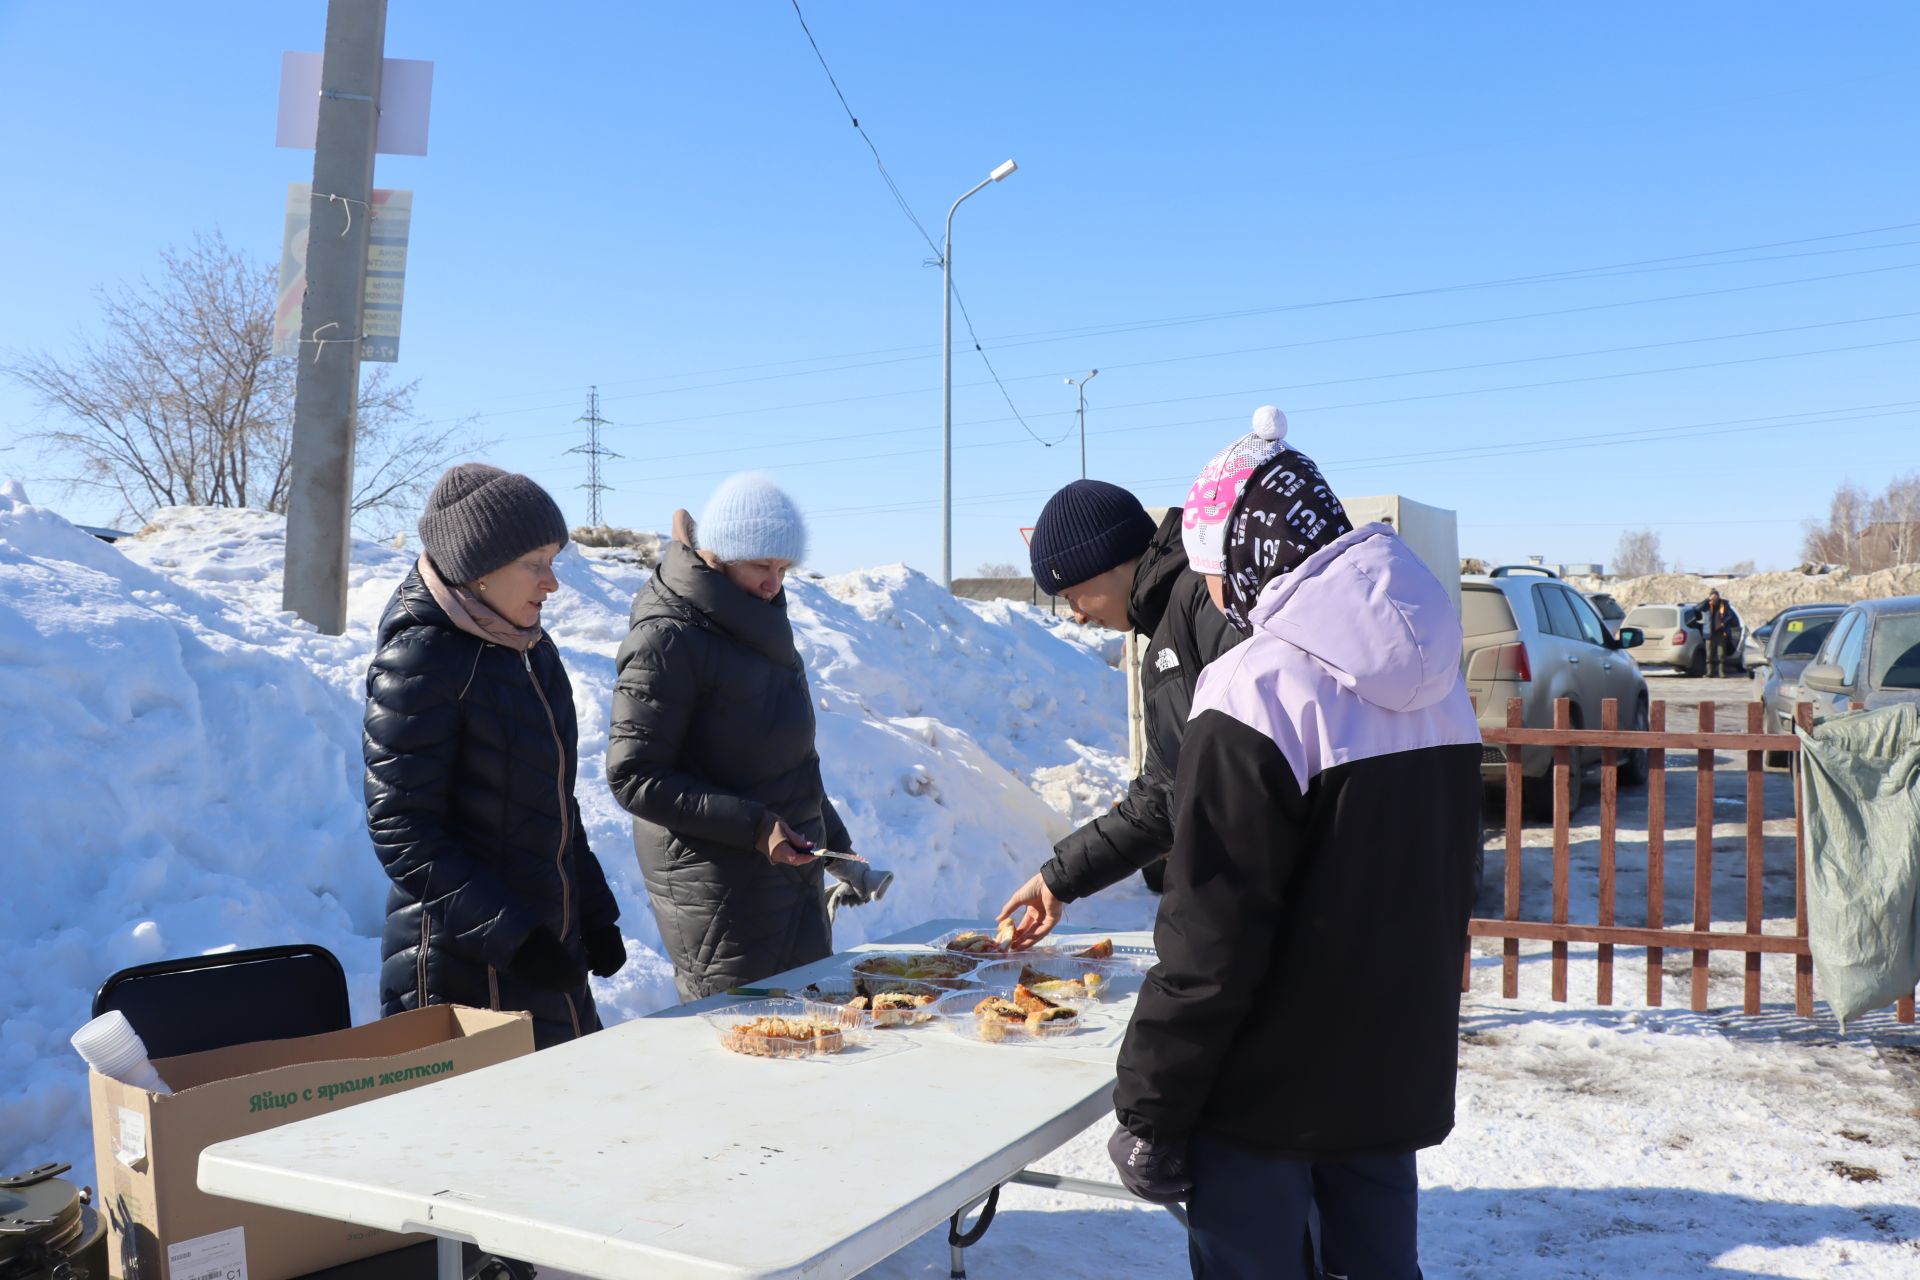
(1054, 877)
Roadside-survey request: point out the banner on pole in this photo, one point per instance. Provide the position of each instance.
(385, 290)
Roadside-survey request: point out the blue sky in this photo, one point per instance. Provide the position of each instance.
(1692, 232)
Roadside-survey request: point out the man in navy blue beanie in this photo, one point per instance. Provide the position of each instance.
(1097, 546)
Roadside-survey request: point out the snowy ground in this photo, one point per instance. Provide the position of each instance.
(184, 776)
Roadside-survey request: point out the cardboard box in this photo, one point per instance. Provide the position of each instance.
(147, 1146)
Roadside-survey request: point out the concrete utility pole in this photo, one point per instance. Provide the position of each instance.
(1081, 383)
(320, 491)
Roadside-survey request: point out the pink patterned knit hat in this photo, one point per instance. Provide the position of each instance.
(1203, 530)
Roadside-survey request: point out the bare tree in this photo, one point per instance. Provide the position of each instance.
(1868, 532)
(1893, 530)
(999, 569)
(1743, 569)
(179, 400)
(1638, 554)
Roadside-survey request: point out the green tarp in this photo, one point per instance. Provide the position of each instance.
(1860, 790)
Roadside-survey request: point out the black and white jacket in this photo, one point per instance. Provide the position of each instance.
(1327, 816)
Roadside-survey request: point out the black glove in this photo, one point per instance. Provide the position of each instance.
(606, 950)
(1153, 1173)
(543, 961)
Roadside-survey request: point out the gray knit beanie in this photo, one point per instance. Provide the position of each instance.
(480, 518)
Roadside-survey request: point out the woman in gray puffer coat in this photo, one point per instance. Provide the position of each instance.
(712, 751)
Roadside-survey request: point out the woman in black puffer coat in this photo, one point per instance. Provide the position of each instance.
(471, 747)
(712, 751)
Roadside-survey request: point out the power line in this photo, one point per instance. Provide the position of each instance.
(899, 197)
(1474, 453)
(995, 375)
(815, 441)
(906, 208)
(1376, 377)
(1039, 337)
(1632, 373)
(927, 351)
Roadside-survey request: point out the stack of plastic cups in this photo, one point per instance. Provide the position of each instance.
(113, 1048)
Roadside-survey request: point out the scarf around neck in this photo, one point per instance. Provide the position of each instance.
(471, 614)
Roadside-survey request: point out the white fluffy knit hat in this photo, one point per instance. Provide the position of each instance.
(1203, 528)
(749, 517)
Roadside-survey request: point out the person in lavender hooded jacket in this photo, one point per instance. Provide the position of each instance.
(1296, 1042)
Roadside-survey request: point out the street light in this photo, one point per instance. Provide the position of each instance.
(1082, 384)
(946, 379)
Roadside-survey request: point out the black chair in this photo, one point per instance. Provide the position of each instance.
(236, 997)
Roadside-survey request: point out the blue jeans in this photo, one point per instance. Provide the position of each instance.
(1248, 1216)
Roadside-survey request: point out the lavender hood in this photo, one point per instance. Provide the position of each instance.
(1373, 614)
(1354, 654)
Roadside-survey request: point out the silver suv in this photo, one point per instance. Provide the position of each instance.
(1538, 640)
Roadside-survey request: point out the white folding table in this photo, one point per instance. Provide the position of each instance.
(649, 1151)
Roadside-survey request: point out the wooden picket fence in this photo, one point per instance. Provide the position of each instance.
(1700, 936)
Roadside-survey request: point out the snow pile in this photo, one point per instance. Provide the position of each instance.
(1759, 596)
(176, 784)
(186, 771)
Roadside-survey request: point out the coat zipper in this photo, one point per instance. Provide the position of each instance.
(573, 1013)
(566, 810)
(420, 965)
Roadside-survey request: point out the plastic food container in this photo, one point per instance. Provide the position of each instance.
(960, 1014)
(983, 937)
(1062, 979)
(989, 949)
(946, 969)
(782, 1029)
(876, 1002)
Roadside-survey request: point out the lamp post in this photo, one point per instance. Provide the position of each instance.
(1081, 383)
(946, 379)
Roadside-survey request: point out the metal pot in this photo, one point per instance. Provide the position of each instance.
(49, 1228)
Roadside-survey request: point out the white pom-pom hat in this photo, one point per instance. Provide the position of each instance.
(1203, 530)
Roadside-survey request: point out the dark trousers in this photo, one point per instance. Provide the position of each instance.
(1247, 1216)
(1717, 654)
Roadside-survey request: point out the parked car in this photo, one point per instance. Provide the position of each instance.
(1538, 639)
(1611, 614)
(1793, 640)
(1872, 656)
(1674, 639)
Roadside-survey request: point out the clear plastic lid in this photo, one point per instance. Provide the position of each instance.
(782, 1029)
(875, 1002)
(940, 968)
(995, 1019)
(1061, 979)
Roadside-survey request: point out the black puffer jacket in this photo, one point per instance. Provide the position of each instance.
(470, 751)
(1169, 603)
(712, 732)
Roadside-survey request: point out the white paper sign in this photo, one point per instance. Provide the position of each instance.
(220, 1256)
(406, 94)
(130, 1143)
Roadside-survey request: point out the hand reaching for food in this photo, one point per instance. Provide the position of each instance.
(1030, 914)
